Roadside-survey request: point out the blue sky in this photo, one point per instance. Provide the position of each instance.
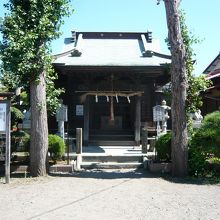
(202, 18)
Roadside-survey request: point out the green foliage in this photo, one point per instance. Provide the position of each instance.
(28, 30)
(52, 94)
(195, 84)
(167, 94)
(197, 164)
(205, 143)
(56, 146)
(24, 97)
(16, 115)
(163, 147)
(215, 160)
(208, 135)
(20, 141)
(9, 80)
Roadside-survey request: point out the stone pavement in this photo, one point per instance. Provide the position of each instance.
(110, 195)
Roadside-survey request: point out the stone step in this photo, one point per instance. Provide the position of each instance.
(115, 137)
(61, 168)
(112, 158)
(110, 165)
(112, 142)
(111, 132)
(103, 157)
(101, 161)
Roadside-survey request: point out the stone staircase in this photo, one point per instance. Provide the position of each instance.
(110, 157)
(106, 161)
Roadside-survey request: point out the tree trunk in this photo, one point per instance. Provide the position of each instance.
(39, 128)
(179, 85)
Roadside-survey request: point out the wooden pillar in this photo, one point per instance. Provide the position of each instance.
(138, 120)
(86, 122)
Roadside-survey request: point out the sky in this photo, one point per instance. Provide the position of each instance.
(202, 19)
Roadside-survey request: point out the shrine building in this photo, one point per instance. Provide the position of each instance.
(112, 80)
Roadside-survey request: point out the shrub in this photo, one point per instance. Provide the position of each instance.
(56, 146)
(208, 135)
(214, 160)
(197, 164)
(204, 143)
(20, 141)
(163, 147)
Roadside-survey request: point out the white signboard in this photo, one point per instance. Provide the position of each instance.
(61, 114)
(79, 110)
(158, 113)
(3, 107)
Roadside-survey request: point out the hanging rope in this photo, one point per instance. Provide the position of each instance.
(110, 93)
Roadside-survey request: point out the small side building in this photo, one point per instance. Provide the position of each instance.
(111, 81)
(211, 97)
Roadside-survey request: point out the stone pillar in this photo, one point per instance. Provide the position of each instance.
(78, 148)
(138, 120)
(86, 122)
(152, 145)
(144, 139)
(61, 129)
(79, 140)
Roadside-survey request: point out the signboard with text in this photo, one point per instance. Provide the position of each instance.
(62, 113)
(158, 113)
(79, 110)
(5, 140)
(3, 109)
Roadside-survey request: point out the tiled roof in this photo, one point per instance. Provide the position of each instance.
(111, 49)
(214, 74)
(213, 65)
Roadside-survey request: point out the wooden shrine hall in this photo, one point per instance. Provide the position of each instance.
(111, 81)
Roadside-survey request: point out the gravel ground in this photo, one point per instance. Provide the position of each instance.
(108, 194)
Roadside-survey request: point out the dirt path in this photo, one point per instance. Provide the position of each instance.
(114, 194)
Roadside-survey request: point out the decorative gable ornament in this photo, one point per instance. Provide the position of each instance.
(76, 53)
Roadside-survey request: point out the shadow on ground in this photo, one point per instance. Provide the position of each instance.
(137, 174)
(126, 174)
(212, 180)
(108, 174)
